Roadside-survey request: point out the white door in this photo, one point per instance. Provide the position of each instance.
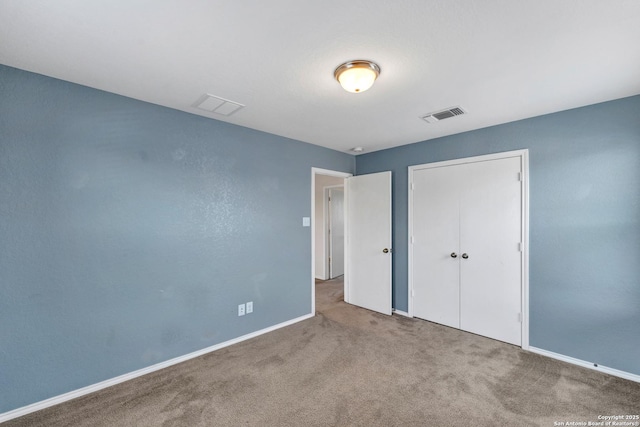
(336, 232)
(437, 219)
(490, 263)
(368, 275)
(466, 254)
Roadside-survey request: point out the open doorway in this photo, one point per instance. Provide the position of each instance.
(334, 231)
(328, 227)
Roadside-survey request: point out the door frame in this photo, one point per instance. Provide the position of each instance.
(327, 226)
(319, 171)
(524, 163)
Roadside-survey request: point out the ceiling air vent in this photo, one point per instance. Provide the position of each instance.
(444, 114)
(215, 104)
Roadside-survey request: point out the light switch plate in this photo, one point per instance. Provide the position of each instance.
(306, 221)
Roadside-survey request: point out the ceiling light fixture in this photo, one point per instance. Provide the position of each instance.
(357, 76)
(357, 149)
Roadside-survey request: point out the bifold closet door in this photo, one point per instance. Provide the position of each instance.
(436, 237)
(490, 233)
(466, 263)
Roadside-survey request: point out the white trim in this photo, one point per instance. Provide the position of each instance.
(473, 159)
(56, 400)
(400, 313)
(524, 156)
(314, 172)
(585, 364)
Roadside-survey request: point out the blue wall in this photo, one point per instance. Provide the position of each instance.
(584, 223)
(129, 233)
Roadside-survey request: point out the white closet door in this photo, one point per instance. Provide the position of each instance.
(490, 233)
(436, 251)
(474, 210)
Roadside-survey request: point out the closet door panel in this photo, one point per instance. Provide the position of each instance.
(436, 232)
(490, 233)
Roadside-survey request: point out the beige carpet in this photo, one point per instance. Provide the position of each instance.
(351, 367)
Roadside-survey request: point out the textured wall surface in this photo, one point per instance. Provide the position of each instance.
(584, 223)
(129, 234)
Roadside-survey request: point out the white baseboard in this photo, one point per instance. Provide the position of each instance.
(56, 400)
(401, 313)
(584, 364)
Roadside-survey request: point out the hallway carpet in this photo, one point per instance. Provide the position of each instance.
(351, 367)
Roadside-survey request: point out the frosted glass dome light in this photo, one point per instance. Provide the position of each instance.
(357, 76)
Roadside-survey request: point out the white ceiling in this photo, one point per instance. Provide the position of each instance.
(500, 60)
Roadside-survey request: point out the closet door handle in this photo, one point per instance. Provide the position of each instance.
(454, 255)
(465, 256)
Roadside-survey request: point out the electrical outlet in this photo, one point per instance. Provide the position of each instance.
(250, 307)
(241, 310)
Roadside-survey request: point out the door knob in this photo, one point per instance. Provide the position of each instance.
(465, 256)
(454, 255)
(385, 250)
